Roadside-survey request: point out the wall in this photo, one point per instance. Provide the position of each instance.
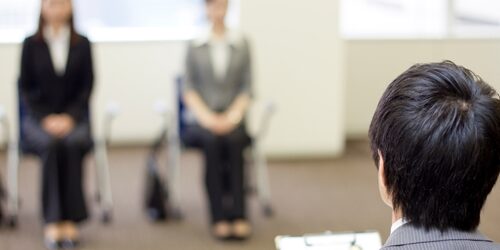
(297, 61)
(372, 65)
(9, 64)
(299, 64)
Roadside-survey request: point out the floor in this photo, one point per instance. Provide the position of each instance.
(309, 197)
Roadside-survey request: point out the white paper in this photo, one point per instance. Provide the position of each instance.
(331, 241)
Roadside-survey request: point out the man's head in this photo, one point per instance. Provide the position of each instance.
(435, 138)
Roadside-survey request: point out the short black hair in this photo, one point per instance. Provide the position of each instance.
(437, 127)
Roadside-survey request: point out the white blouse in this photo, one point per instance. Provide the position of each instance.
(220, 50)
(59, 47)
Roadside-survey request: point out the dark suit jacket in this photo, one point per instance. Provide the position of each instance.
(44, 92)
(409, 237)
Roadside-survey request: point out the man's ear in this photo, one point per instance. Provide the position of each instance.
(382, 184)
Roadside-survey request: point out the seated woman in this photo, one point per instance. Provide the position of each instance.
(55, 85)
(217, 91)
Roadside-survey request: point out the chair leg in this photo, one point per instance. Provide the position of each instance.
(104, 196)
(262, 175)
(12, 184)
(2, 201)
(174, 173)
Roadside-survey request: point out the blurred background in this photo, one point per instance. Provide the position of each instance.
(324, 63)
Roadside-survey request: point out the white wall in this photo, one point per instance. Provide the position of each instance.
(372, 65)
(136, 75)
(9, 64)
(298, 58)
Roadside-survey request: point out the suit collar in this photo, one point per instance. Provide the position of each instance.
(409, 234)
(72, 51)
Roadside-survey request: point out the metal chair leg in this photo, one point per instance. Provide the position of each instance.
(12, 184)
(2, 201)
(173, 170)
(262, 175)
(103, 182)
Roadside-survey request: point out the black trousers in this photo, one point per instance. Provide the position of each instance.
(224, 172)
(62, 158)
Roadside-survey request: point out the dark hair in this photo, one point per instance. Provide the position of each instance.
(437, 127)
(41, 26)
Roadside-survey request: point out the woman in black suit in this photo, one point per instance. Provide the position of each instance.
(55, 86)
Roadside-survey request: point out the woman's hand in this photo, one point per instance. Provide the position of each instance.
(223, 126)
(58, 125)
(217, 123)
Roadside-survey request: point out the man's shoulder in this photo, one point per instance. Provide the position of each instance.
(409, 237)
(446, 245)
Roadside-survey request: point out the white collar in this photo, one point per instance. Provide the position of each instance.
(232, 37)
(64, 34)
(397, 224)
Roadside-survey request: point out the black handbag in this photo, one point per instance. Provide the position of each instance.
(156, 197)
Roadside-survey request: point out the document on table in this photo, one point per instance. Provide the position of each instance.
(369, 240)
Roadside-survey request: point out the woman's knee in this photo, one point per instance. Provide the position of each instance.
(238, 139)
(77, 142)
(52, 143)
(210, 140)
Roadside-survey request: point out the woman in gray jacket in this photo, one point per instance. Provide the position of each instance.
(217, 89)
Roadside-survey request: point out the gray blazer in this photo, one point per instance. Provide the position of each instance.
(218, 94)
(409, 237)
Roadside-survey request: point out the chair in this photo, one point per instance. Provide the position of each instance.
(176, 122)
(2, 187)
(17, 148)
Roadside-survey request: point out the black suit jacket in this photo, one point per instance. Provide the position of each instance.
(43, 92)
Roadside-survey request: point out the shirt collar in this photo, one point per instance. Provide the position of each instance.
(408, 234)
(232, 37)
(63, 36)
(397, 224)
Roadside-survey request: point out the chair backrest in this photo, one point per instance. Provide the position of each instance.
(22, 117)
(185, 116)
(181, 106)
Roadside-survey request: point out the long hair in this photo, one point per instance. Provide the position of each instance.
(42, 23)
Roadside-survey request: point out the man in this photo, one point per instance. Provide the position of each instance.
(435, 138)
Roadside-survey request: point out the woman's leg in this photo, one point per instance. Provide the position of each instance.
(212, 148)
(62, 192)
(235, 144)
(48, 149)
(75, 147)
